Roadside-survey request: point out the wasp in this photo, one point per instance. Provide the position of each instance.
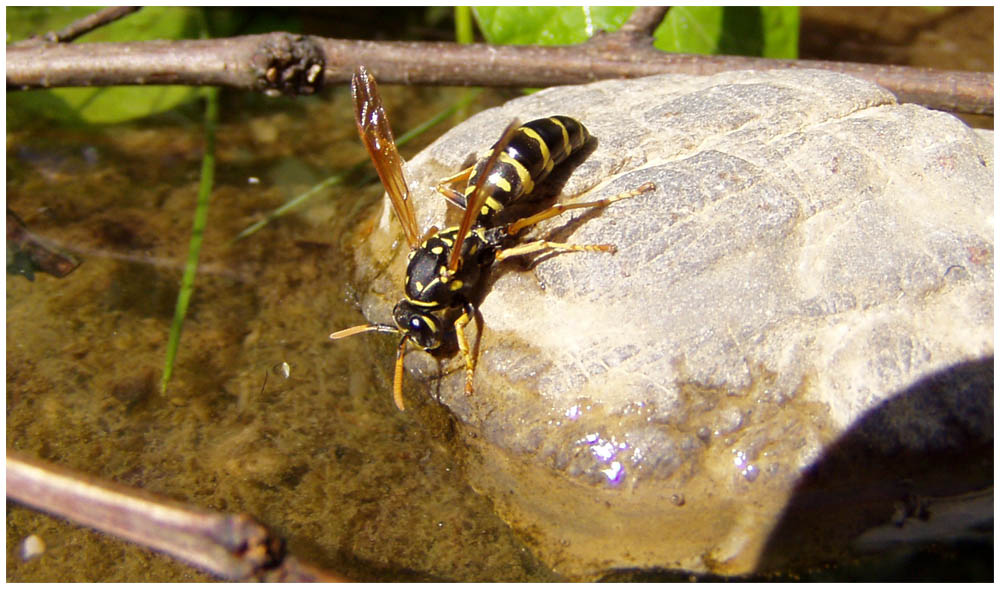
(446, 268)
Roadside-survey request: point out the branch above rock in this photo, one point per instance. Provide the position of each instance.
(284, 63)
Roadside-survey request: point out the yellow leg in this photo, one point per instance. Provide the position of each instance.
(455, 197)
(561, 208)
(462, 175)
(550, 246)
(397, 381)
(463, 346)
(431, 232)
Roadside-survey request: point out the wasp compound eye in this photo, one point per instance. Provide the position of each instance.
(420, 324)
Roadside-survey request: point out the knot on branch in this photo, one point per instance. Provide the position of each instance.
(253, 545)
(288, 64)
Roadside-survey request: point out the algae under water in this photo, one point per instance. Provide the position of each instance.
(322, 457)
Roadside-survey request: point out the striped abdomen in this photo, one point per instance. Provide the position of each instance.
(537, 147)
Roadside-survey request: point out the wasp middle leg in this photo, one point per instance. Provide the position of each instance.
(446, 186)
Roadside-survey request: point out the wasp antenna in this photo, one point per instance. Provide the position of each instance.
(362, 329)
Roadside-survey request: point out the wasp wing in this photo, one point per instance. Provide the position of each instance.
(376, 134)
(474, 202)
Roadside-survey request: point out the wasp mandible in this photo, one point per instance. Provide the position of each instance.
(447, 267)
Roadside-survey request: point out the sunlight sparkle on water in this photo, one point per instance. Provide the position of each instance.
(605, 451)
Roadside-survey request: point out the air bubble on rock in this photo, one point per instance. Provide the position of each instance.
(31, 547)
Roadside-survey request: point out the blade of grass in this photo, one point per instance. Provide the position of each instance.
(338, 178)
(464, 34)
(295, 201)
(197, 232)
(424, 126)
(463, 24)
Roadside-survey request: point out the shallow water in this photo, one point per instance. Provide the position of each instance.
(322, 457)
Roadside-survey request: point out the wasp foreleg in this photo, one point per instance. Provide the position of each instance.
(397, 380)
(463, 345)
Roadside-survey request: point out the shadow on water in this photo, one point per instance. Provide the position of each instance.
(873, 476)
(876, 466)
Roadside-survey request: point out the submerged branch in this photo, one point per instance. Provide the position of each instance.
(230, 546)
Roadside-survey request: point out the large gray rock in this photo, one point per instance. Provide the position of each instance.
(800, 315)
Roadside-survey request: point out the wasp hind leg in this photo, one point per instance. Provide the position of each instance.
(558, 209)
(532, 247)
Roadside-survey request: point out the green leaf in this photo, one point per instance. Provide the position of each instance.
(690, 29)
(157, 22)
(781, 32)
(112, 104)
(25, 21)
(771, 31)
(109, 104)
(741, 30)
(228, 21)
(547, 25)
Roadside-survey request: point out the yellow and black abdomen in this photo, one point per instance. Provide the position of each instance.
(537, 147)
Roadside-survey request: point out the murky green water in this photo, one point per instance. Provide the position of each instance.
(322, 457)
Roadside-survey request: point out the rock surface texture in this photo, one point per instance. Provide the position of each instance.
(795, 334)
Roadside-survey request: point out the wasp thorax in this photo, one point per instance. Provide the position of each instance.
(419, 324)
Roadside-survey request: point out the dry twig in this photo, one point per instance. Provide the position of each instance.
(82, 26)
(300, 64)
